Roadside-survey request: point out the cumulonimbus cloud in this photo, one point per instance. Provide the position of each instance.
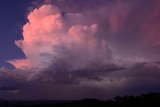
(54, 40)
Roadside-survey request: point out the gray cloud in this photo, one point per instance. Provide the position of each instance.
(136, 79)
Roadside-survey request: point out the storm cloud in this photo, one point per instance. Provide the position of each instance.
(87, 48)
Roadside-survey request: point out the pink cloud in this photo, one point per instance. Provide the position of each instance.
(21, 63)
(50, 38)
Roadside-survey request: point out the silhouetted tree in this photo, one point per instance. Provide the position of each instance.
(144, 100)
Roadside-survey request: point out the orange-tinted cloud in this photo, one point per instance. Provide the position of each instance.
(21, 63)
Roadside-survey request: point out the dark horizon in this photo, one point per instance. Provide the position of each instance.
(143, 100)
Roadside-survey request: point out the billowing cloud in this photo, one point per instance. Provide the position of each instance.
(60, 42)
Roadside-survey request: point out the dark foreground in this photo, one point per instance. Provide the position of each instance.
(144, 100)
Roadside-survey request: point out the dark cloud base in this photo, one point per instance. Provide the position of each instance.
(137, 79)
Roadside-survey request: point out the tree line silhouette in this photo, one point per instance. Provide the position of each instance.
(144, 100)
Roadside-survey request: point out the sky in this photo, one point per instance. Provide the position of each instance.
(13, 16)
(74, 49)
